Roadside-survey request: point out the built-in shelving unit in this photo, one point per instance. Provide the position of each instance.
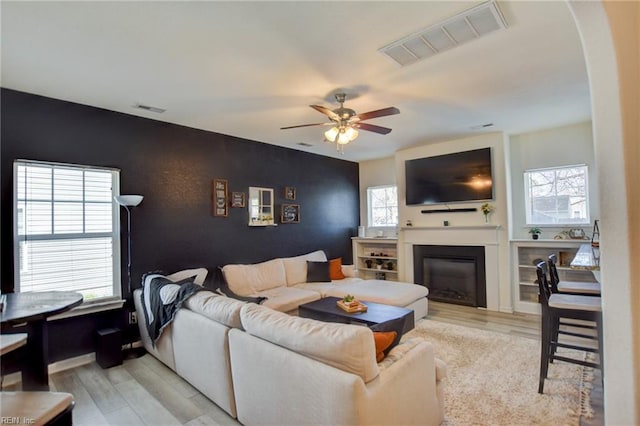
(376, 258)
(526, 252)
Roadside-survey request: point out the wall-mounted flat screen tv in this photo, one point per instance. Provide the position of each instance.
(449, 178)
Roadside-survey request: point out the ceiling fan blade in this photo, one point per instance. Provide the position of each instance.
(326, 111)
(378, 113)
(373, 128)
(306, 125)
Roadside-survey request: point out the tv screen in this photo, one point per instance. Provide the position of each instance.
(457, 177)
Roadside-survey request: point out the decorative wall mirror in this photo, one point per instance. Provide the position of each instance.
(260, 206)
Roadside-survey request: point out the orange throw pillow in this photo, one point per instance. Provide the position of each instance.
(383, 339)
(335, 269)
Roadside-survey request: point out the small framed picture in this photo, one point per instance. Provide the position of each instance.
(290, 193)
(220, 198)
(290, 213)
(237, 199)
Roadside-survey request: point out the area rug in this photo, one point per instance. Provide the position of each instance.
(492, 379)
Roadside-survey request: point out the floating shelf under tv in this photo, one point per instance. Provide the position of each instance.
(458, 210)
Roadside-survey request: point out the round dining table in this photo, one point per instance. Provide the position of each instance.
(31, 309)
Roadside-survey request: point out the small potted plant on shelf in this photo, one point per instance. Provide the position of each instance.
(535, 232)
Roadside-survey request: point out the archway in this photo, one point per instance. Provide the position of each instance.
(621, 363)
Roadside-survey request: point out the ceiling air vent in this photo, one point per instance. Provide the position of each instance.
(459, 29)
(149, 108)
(304, 144)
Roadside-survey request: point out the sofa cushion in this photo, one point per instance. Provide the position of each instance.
(344, 346)
(318, 272)
(296, 267)
(380, 291)
(335, 269)
(285, 299)
(382, 341)
(221, 309)
(396, 326)
(325, 288)
(248, 279)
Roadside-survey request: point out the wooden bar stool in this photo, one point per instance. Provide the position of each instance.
(34, 408)
(556, 306)
(10, 342)
(581, 288)
(38, 408)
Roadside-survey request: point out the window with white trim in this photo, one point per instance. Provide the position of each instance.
(557, 196)
(382, 206)
(66, 229)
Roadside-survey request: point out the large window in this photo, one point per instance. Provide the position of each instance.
(66, 229)
(557, 196)
(382, 206)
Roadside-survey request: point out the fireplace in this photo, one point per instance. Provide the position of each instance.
(453, 274)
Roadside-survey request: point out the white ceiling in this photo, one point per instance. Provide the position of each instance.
(248, 68)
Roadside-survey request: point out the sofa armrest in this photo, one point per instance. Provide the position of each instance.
(349, 271)
(406, 390)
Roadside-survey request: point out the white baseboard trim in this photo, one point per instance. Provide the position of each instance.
(69, 363)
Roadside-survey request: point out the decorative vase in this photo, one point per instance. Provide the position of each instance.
(369, 263)
(534, 236)
(486, 218)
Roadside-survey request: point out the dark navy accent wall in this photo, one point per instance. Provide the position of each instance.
(173, 167)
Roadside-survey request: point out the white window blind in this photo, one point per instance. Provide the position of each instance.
(66, 229)
(557, 196)
(382, 205)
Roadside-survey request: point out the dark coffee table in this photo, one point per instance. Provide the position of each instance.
(377, 313)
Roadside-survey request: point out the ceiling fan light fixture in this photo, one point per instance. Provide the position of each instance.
(350, 134)
(341, 136)
(331, 134)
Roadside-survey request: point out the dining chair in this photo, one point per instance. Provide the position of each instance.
(39, 408)
(557, 307)
(582, 288)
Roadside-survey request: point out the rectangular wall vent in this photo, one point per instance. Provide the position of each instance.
(149, 108)
(459, 29)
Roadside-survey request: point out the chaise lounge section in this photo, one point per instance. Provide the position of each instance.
(285, 284)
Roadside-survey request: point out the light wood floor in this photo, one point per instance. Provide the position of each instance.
(144, 391)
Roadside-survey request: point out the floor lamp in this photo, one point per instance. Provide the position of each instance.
(129, 201)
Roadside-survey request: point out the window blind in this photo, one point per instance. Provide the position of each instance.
(66, 229)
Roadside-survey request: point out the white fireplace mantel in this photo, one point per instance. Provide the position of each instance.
(487, 236)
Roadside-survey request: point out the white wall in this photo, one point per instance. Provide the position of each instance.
(499, 294)
(561, 146)
(499, 217)
(375, 173)
(614, 85)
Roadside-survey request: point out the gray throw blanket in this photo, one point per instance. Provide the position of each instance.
(161, 299)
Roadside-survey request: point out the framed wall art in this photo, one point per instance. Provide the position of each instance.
(220, 198)
(290, 193)
(290, 213)
(237, 199)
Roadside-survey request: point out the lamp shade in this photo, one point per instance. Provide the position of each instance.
(342, 135)
(128, 200)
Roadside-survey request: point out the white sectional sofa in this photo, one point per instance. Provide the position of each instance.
(289, 370)
(283, 281)
(267, 367)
